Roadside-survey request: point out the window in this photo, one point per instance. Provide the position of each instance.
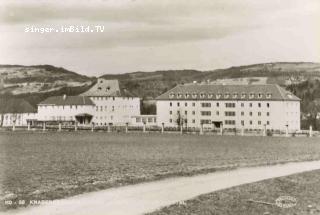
(243, 95)
(138, 119)
(194, 95)
(218, 95)
(217, 104)
(242, 113)
(217, 113)
(251, 96)
(193, 104)
(150, 119)
(210, 95)
(259, 105)
(268, 114)
(229, 113)
(178, 104)
(268, 105)
(171, 95)
(193, 121)
(259, 122)
(101, 108)
(186, 121)
(242, 104)
(250, 113)
(230, 105)
(230, 122)
(202, 95)
(259, 95)
(259, 113)
(193, 112)
(171, 112)
(250, 105)
(226, 95)
(186, 104)
(178, 112)
(205, 113)
(250, 122)
(268, 123)
(112, 108)
(97, 108)
(235, 95)
(242, 122)
(170, 120)
(269, 95)
(205, 121)
(186, 112)
(206, 104)
(170, 104)
(187, 95)
(179, 95)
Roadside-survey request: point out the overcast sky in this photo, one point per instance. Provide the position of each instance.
(145, 35)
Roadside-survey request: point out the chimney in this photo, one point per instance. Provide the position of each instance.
(64, 97)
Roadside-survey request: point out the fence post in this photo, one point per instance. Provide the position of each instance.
(13, 126)
(92, 127)
(221, 129)
(44, 126)
(162, 128)
(109, 127)
(144, 127)
(181, 129)
(287, 131)
(60, 126)
(242, 130)
(264, 130)
(75, 126)
(201, 129)
(28, 126)
(127, 127)
(310, 131)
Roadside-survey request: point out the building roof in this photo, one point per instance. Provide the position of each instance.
(16, 105)
(228, 92)
(67, 100)
(104, 87)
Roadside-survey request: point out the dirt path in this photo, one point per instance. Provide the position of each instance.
(147, 197)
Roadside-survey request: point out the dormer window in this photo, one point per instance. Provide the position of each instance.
(251, 96)
(187, 95)
(202, 95)
(171, 95)
(243, 95)
(226, 95)
(260, 95)
(269, 95)
(289, 96)
(194, 95)
(218, 96)
(210, 95)
(179, 95)
(235, 95)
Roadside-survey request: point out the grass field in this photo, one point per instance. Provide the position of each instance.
(56, 165)
(246, 199)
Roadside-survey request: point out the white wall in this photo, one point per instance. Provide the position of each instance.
(115, 110)
(281, 113)
(21, 119)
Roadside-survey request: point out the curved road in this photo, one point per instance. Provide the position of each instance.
(147, 197)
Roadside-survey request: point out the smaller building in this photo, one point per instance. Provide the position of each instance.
(74, 109)
(140, 120)
(16, 112)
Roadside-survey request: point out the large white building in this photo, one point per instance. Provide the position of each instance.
(230, 106)
(78, 109)
(16, 112)
(111, 105)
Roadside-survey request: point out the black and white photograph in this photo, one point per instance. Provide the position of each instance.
(160, 107)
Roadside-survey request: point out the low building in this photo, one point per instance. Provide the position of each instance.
(79, 109)
(17, 112)
(111, 105)
(253, 107)
(140, 120)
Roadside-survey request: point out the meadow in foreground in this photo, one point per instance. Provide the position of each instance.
(55, 165)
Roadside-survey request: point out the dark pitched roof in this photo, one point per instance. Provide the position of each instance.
(104, 87)
(227, 92)
(16, 106)
(67, 100)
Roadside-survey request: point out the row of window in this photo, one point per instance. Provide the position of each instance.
(109, 98)
(220, 95)
(226, 122)
(226, 113)
(227, 105)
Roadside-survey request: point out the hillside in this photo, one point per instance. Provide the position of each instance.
(35, 83)
(152, 84)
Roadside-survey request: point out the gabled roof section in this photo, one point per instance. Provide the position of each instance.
(16, 106)
(104, 87)
(228, 92)
(67, 100)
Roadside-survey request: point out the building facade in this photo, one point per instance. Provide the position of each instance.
(17, 112)
(111, 106)
(79, 109)
(252, 107)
